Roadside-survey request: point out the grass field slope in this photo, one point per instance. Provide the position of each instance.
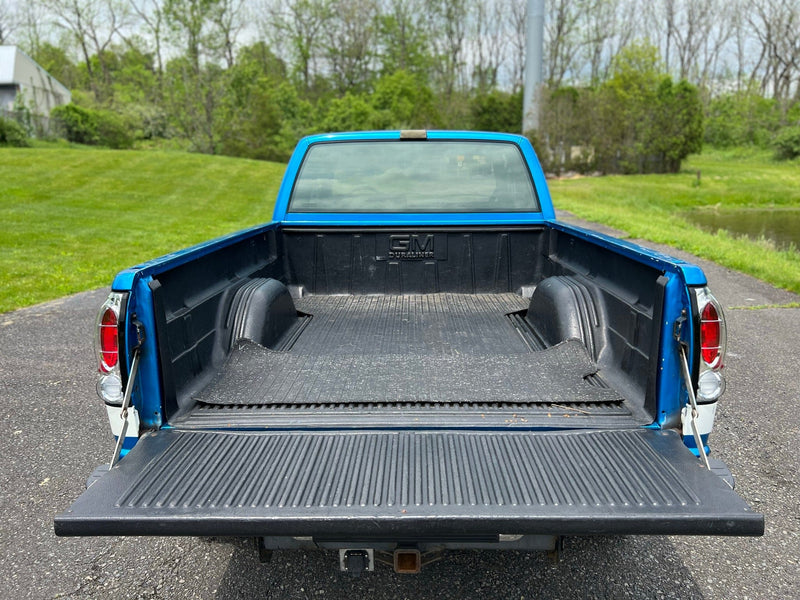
(71, 217)
(655, 207)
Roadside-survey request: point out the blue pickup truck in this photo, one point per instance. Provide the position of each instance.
(414, 355)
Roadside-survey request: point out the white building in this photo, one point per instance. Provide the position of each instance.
(22, 78)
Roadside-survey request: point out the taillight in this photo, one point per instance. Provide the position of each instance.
(710, 335)
(713, 339)
(109, 383)
(109, 340)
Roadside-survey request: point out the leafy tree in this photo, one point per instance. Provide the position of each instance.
(497, 111)
(403, 40)
(638, 121)
(404, 102)
(55, 61)
(349, 47)
(190, 22)
(742, 119)
(193, 100)
(650, 125)
(300, 25)
(251, 119)
(260, 57)
(351, 112)
(677, 128)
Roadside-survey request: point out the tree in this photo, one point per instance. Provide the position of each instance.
(192, 97)
(8, 21)
(229, 20)
(299, 25)
(191, 24)
(94, 25)
(497, 111)
(402, 39)
(677, 127)
(351, 112)
(490, 44)
(403, 101)
(32, 17)
(775, 23)
(56, 62)
(516, 27)
(151, 16)
(561, 39)
(607, 26)
(251, 115)
(350, 34)
(448, 22)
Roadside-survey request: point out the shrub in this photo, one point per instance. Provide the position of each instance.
(497, 111)
(112, 130)
(76, 124)
(94, 127)
(12, 134)
(742, 119)
(787, 144)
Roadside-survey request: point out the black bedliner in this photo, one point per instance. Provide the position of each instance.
(396, 485)
(256, 375)
(412, 324)
(423, 348)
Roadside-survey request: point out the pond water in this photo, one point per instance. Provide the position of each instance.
(781, 225)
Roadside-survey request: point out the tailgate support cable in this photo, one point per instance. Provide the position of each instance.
(126, 400)
(687, 380)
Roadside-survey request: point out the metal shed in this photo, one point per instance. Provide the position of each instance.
(23, 79)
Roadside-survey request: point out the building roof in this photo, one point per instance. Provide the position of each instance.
(17, 68)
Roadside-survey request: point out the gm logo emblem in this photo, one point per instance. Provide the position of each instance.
(411, 246)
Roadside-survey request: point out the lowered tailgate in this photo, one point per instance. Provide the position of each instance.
(392, 484)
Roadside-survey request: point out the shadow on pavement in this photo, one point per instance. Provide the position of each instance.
(603, 567)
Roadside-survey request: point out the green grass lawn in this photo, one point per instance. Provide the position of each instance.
(653, 207)
(71, 218)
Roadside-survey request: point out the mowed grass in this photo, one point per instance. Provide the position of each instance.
(653, 207)
(71, 218)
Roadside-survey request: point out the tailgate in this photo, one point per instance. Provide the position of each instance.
(401, 484)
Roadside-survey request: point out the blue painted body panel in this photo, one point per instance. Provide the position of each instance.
(281, 205)
(147, 394)
(670, 391)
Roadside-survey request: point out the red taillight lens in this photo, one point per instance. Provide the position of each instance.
(109, 346)
(710, 336)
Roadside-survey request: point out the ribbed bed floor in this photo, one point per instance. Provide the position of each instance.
(428, 324)
(439, 348)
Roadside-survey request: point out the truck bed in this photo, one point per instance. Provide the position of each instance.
(415, 354)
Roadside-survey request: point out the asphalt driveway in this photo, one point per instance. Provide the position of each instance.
(53, 432)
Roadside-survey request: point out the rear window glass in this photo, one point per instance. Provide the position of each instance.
(413, 177)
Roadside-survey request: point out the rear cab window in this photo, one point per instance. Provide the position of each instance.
(401, 176)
